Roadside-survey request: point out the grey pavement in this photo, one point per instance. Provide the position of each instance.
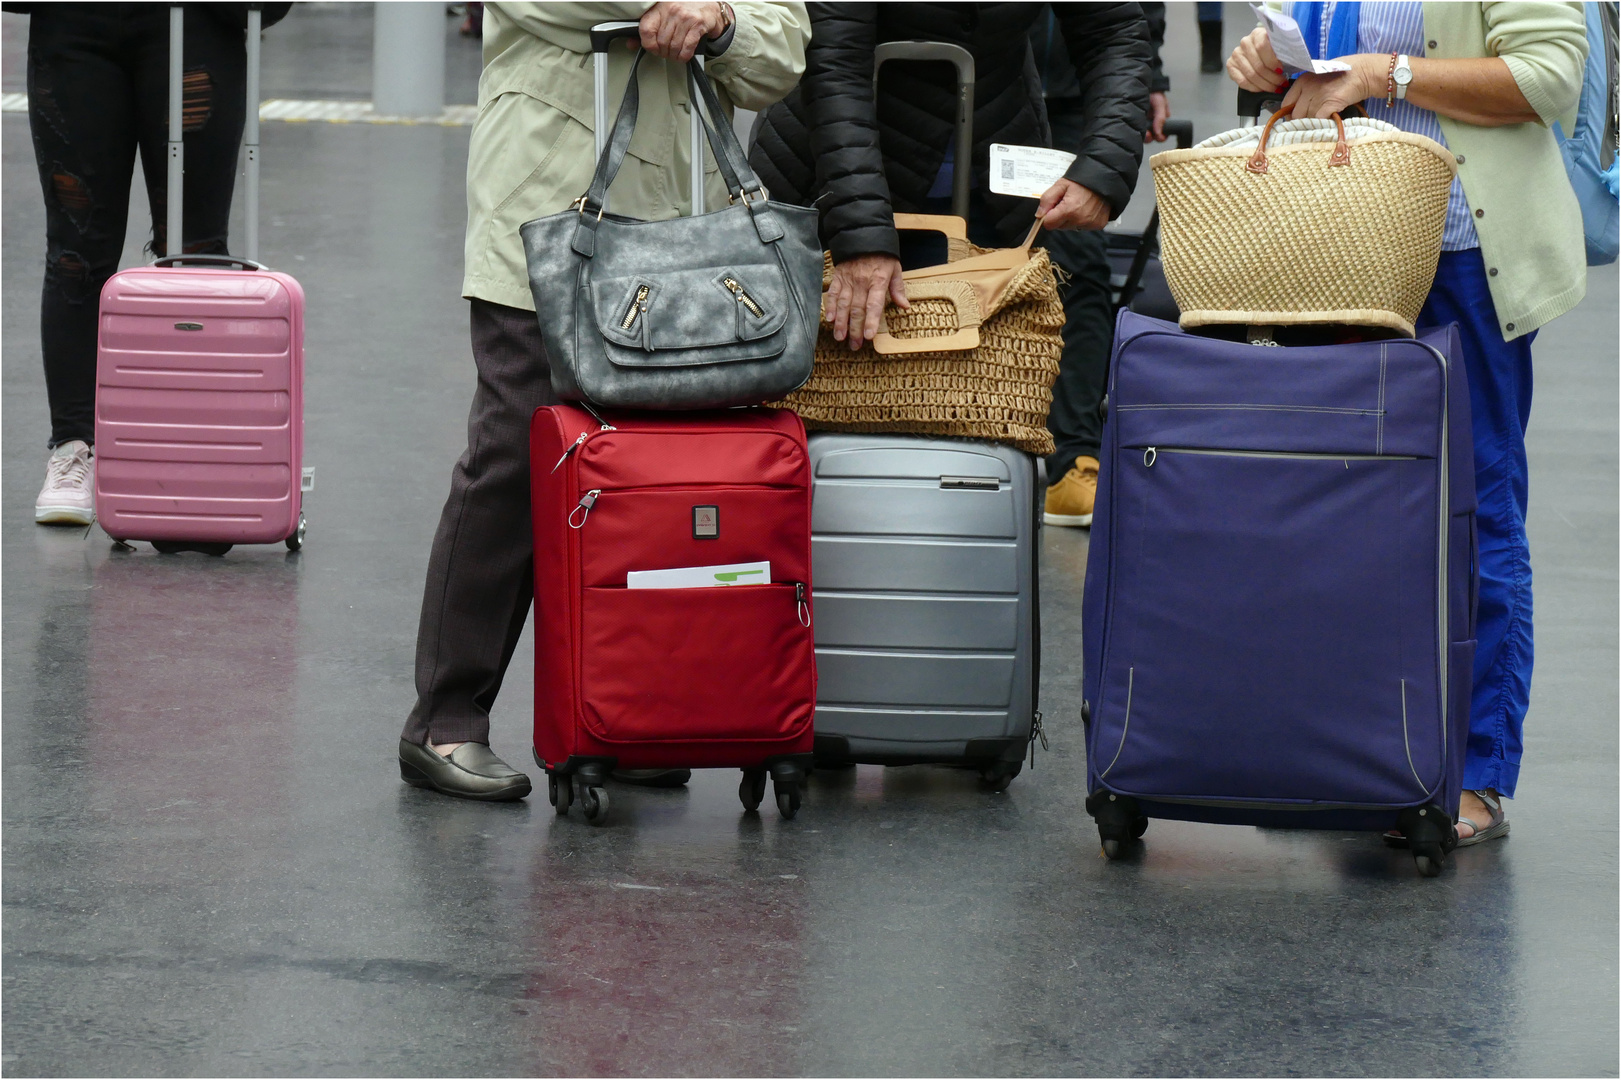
(212, 868)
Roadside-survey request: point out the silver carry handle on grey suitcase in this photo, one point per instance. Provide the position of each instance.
(602, 36)
(174, 245)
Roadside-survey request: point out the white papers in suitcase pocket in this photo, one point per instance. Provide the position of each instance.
(701, 577)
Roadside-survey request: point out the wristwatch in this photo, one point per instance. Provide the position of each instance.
(1403, 75)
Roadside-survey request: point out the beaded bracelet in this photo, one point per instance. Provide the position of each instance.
(1390, 83)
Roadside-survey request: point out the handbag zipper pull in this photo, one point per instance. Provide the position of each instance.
(587, 501)
(1148, 457)
(802, 607)
(743, 297)
(636, 306)
(575, 445)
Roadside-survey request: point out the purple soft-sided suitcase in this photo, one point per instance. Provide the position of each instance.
(1280, 594)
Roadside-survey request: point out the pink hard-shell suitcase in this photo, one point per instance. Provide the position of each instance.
(199, 381)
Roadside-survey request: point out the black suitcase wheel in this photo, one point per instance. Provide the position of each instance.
(751, 792)
(1120, 823)
(175, 547)
(594, 802)
(788, 799)
(1430, 835)
(296, 541)
(998, 777)
(564, 787)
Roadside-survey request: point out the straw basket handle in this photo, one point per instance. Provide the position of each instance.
(965, 336)
(1340, 156)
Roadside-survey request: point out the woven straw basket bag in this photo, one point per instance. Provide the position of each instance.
(1290, 230)
(975, 356)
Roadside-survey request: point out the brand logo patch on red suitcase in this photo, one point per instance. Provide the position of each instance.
(706, 522)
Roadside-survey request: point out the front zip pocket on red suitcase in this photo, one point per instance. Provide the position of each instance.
(733, 663)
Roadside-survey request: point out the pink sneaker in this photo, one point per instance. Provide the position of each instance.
(70, 480)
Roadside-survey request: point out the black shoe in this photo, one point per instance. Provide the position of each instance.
(653, 777)
(471, 771)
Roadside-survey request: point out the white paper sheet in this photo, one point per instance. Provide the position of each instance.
(1290, 47)
(701, 577)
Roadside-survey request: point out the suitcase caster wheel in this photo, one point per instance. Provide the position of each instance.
(1120, 823)
(175, 547)
(788, 799)
(999, 778)
(1430, 835)
(561, 789)
(296, 541)
(751, 792)
(551, 789)
(594, 802)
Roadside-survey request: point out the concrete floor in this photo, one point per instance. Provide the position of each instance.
(211, 866)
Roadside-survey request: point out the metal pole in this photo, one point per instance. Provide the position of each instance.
(408, 59)
(250, 135)
(175, 194)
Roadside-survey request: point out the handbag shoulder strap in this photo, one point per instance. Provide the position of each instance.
(740, 178)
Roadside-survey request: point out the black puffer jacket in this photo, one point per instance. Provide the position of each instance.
(829, 143)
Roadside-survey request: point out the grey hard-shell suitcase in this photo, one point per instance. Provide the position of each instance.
(925, 572)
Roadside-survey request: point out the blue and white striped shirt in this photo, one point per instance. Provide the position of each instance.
(1398, 27)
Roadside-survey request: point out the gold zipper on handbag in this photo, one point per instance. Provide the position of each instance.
(638, 304)
(742, 295)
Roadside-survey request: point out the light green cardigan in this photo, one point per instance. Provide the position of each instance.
(1525, 213)
(1529, 223)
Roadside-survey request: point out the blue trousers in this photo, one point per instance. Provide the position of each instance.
(1500, 397)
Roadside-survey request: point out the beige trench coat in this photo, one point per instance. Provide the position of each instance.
(533, 150)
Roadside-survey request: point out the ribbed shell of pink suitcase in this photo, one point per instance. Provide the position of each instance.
(199, 405)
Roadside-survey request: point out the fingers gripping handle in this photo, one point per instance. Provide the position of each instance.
(965, 305)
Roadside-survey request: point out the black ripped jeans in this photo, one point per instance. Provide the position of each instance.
(98, 89)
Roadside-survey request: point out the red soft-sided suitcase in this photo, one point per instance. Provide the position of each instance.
(719, 677)
(199, 381)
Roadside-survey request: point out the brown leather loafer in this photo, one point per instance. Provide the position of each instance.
(472, 771)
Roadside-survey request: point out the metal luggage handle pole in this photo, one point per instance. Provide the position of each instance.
(962, 170)
(603, 35)
(250, 135)
(176, 193)
(177, 145)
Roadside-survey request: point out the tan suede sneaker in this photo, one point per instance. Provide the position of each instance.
(1070, 501)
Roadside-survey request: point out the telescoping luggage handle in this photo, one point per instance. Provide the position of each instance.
(602, 36)
(1181, 131)
(174, 244)
(962, 171)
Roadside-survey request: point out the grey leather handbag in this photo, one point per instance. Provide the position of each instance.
(702, 312)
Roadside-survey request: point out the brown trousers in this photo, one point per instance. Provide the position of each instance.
(481, 571)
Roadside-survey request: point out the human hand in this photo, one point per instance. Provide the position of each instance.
(1068, 205)
(1159, 111)
(855, 297)
(1254, 66)
(1324, 95)
(674, 30)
